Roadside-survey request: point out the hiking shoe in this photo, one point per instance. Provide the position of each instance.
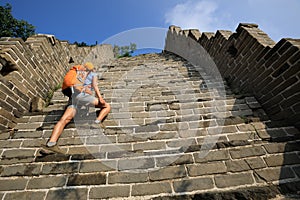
(51, 150)
(102, 125)
(96, 126)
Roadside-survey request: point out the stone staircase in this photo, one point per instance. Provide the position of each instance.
(170, 135)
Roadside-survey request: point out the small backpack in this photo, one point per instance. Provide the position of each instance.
(73, 80)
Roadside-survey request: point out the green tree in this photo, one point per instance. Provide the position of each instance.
(124, 51)
(11, 27)
(81, 44)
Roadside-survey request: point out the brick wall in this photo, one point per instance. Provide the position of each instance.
(252, 63)
(33, 68)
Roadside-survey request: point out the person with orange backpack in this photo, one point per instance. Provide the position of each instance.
(78, 85)
(86, 96)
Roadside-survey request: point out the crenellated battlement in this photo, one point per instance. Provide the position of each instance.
(252, 63)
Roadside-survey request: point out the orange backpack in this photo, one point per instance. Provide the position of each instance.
(73, 80)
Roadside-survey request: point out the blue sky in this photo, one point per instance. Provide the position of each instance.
(98, 20)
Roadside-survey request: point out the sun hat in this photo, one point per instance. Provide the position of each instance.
(89, 66)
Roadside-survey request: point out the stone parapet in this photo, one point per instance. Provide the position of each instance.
(34, 68)
(251, 62)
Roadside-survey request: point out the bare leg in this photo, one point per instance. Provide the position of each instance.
(105, 109)
(64, 120)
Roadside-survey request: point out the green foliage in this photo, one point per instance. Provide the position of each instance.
(124, 51)
(51, 93)
(11, 27)
(82, 44)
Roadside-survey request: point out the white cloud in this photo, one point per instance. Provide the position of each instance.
(193, 14)
(277, 18)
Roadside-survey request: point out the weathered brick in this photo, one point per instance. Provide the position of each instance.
(153, 145)
(83, 150)
(136, 110)
(164, 135)
(60, 168)
(46, 182)
(297, 170)
(220, 130)
(156, 107)
(18, 160)
(109, 192)
(206, 168)
(98, 166)
(167, 173)
(100, 140)
(259, 125)
(282, 159)
(126, 138)
(74, 193)
(121, 115)
(216, 155)
(5, 136)
(27, 195)
(21, 170)
(151, 188)
(169, 127)
(246, 136)
(127, 177)
(27, 134)
(274, 174)
(33, 143)
(87, 179)
(189, 185)
(13, 184)
(72, 141)
(7, 115)
(174, 160)
(138, 115)
(193, 132)
(188, 112)
(255, 163)
(228, 180)
(16, 153)
(237, 165)
(245, 127)
(167, 113)
(4, 122)
(148, 128)
(52, 158)
(201, 124)
(282, 147)
(67, 133)
(182, 142)
(28, 126)
(118, 130)
(10, 143)
(247, 152)
(137, 163)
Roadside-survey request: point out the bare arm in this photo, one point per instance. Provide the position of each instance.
(96, 88)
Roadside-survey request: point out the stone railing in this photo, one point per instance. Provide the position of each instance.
(30, 70)
(251, 62)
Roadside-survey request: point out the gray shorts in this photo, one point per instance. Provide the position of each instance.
(85, 99)
(82, 99)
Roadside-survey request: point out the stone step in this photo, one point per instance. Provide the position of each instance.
(76, 171)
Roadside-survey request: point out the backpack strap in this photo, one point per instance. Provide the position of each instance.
(81, 76)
